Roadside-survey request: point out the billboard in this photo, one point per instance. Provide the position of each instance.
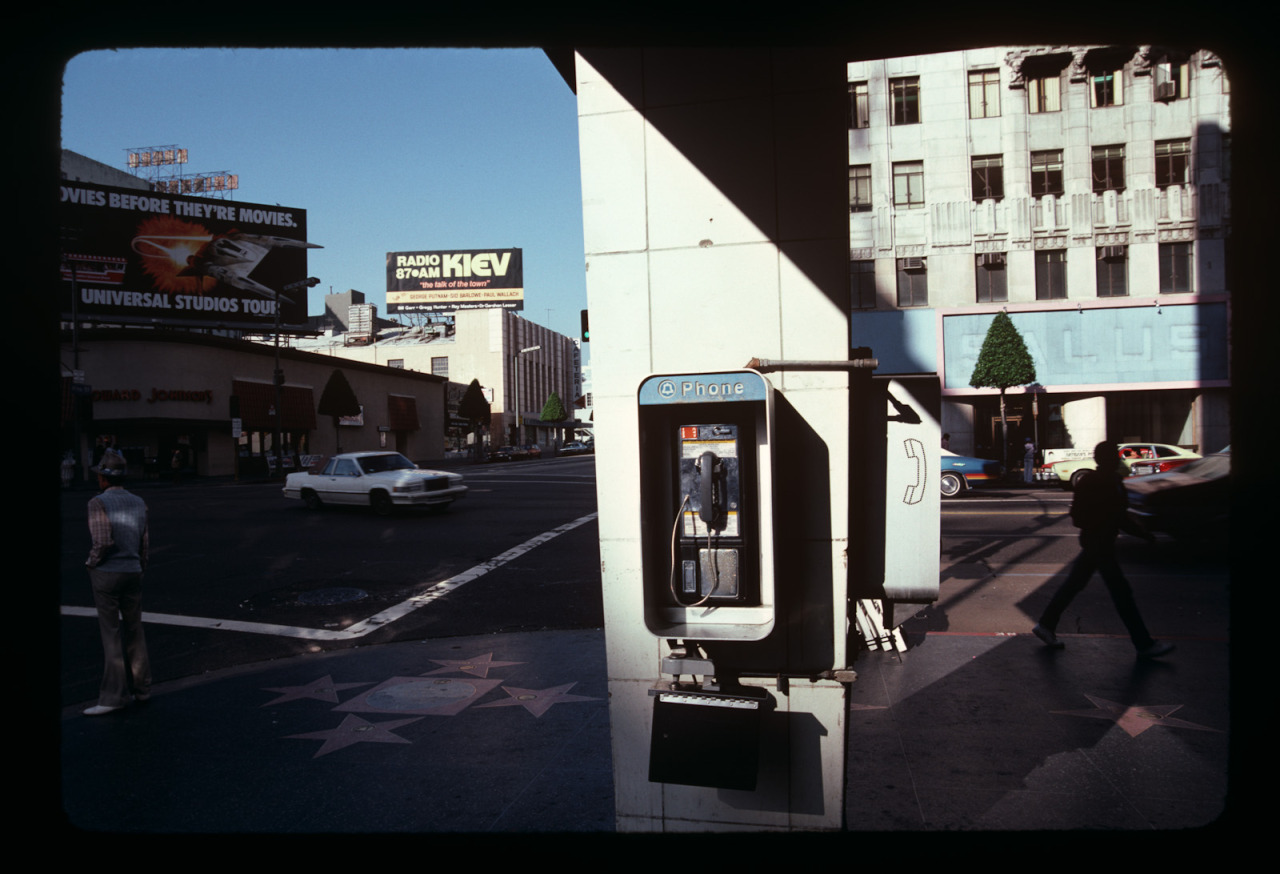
(146, 257)
(458, 279)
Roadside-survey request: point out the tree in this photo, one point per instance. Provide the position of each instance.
(474, 408)
(553, 410)
(338, 400)
(1003, 362)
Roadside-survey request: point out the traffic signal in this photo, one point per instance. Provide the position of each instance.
(586, 329)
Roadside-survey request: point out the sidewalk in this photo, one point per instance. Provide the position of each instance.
(509, 733)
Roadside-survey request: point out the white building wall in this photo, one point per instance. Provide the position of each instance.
(483, 347)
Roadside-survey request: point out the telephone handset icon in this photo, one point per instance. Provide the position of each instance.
(915, 490)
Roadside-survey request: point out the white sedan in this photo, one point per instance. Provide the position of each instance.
(381, 480)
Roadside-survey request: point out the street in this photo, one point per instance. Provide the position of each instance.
(240, 575)
(277, 715)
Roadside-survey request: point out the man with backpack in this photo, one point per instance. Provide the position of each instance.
(1101, 510)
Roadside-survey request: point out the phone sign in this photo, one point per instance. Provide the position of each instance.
(703, 388)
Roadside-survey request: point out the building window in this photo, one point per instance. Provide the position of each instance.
(1113, 271)
(1108, 168)
(1046, 173)
(1044, 93)
(862, 285)
(397, 363)
(913, 282)
(1051, 274)
(984, 94)
(1106, 88)
(908, 184)
(993, 285)
(988, 178)
(440, 366)
(1175, 267)
(860, 188)
(1171, 81)
(904, 95)
(859, 106)
(1173, 163)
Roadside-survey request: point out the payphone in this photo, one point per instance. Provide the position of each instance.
(706, 511)
(706, 505)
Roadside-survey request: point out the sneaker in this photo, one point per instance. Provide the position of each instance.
(1048, 637)
(101, 710)
(1157, 649)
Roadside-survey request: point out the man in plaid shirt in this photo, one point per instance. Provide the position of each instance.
(118, 526)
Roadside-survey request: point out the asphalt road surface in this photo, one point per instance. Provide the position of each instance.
(239, 574)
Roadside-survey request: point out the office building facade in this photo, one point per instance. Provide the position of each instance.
(1084, 190)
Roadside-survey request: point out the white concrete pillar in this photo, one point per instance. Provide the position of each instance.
(715, 231)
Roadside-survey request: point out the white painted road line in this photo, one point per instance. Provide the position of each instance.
(359, 629)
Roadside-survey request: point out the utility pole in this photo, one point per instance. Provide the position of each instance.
(277, 375)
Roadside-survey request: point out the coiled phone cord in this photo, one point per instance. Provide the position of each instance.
(671, 578)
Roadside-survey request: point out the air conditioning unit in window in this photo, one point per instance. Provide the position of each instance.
(912, 263)
(991, 259)
(1166, 91)
(1111, 253)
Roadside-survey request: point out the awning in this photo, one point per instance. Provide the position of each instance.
(402, 412)
(258, 406)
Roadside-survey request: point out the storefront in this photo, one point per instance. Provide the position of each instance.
(1156, 369)
(182, 404)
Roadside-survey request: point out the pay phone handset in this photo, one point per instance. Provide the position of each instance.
(707, 540)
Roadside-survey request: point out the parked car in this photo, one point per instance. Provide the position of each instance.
(381, 480)
(515, 453)
(1190, 501)
(577, 448)
(961, 472)
(501, 453)
(1140, 459)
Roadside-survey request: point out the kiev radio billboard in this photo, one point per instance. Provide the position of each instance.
(137, 256)
(459, 279)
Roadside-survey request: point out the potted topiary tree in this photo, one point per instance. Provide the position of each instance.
(1003, 362)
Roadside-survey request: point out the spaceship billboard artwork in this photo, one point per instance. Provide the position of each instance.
(144, 257)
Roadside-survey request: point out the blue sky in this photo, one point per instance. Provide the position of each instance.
(386, 149)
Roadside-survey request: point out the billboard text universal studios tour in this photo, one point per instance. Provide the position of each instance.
(456, 279)
(144, 257)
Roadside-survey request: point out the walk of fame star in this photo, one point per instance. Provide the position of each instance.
(323, 689)
(1135, 718)
(537, 701)
(354, 730)
(479, 665)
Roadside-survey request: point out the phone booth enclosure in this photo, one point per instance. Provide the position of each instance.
(706, 505)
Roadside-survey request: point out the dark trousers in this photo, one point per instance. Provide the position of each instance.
(1098, 553)
(118, 598)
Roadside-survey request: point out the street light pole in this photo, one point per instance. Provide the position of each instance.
(519, 415)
